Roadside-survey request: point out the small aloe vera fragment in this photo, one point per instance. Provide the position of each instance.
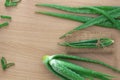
(5, 17)
(90, 43)
(6, 65)
(4, 24)
(9, 3)
(70, 71)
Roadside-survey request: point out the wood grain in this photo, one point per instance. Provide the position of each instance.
(30, 36)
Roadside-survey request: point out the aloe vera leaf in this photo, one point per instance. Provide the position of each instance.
(93, 40)
(78, 9)
(102, 12)
(78, 44)
(66, 16)
(85, 71)
(82, 45)
(114, 13)
(59, 68)
(46, 60)
(62, 56)
(74, 46)
(66, 8)
(105, 24)
(96, 43)
(82, 41)
(107, 7)
(85, 41)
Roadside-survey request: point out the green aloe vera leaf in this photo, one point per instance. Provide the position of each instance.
(69, 71)
(107, 7)
(70, 57)
(86, 41)
(61, 69)
(83, 19)
(78, 9)
(77, 44)
(96, 43)
(46, 60)
(83, 45)
(88, 72)
(114, 13)
(102, 12)
(92, 46)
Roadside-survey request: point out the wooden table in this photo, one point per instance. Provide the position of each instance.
(30, 36)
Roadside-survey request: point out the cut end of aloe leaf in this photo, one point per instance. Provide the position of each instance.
(62, 37)
(61, 44)
(37, 4)
(112, 41)
(45, 57)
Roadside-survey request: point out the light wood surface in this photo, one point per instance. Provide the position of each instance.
(30, 36)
